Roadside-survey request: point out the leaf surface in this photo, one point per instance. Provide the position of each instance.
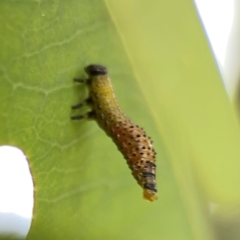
(165, 80)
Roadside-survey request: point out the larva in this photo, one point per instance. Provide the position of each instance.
(130, 139)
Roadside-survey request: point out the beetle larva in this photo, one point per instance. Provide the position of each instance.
(130, 139)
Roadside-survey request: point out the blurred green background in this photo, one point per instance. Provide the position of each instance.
(165, 79)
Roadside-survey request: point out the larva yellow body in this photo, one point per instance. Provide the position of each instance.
(130, 139)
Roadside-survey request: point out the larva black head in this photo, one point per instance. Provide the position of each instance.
(95, 70)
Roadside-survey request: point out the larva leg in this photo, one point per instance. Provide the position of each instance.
(88, 101)
(79, 80)
(89, 115)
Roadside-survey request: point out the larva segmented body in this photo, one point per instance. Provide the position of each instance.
(130, 139)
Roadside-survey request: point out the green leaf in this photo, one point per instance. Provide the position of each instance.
(165, 79)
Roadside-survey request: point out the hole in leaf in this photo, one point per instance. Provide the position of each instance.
(16, 191)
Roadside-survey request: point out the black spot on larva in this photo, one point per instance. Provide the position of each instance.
(148, 174)
(141, 153)
(151, 163)
(143, 147)
(138, 136)
(150, 186)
